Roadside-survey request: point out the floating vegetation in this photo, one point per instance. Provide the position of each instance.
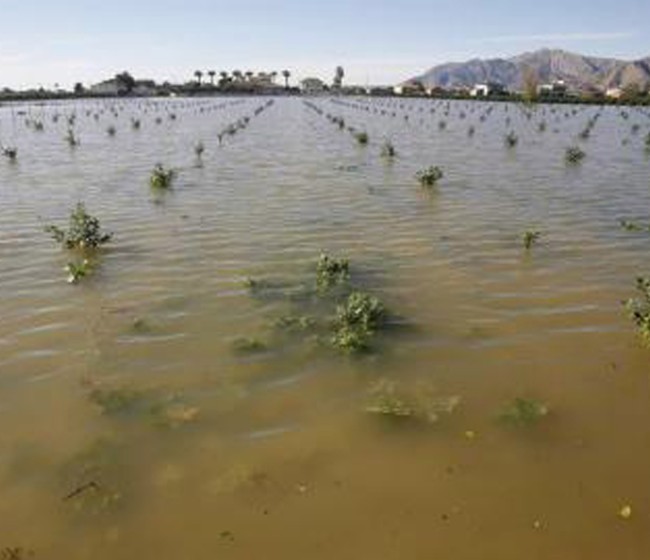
(522, 412)
(161, 178)
(388, 150)
(530, 238)
(574, 154)
(638, 309)
(430, 176)
(84, 231)
(356, 322)
(331, 272)
(388, 399)
(245, 345)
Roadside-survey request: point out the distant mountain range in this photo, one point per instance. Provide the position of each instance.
(578, 71)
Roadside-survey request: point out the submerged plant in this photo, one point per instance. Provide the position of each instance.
(531, 237)
(632, 226)
(361, 137)
(116, 400)
(430, 176)
(574, 154)
(388, 150)
(511, 139)
(84, 231)
(10, 152)
(199, 148)
(295, 323)
(638, 309)
(244, 345)
(523, 412)
(331, 271)
(111, 130)
(161, 178)
(77, 270)
(389, 400)
(72, 139)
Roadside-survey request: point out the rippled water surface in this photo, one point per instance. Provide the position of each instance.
(132, 427)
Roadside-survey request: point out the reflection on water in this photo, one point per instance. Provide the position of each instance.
(157, 410)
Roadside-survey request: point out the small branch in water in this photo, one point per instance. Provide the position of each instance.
(81, 489)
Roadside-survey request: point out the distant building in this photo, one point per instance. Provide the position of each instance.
(107, 87)
(380, 91)
(488, 89)
(557, 88)
(413, 87)
(614, 93)
(312, 85)
(145, 87)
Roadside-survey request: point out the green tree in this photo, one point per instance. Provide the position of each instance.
(212, 74)
(338, 77)
(198, 75)
(125, 83)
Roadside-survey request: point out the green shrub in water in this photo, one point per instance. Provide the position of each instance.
(331, 271)
(639, 310)
(161, 178)
(531, 237)
(84, 231)
(574, 155)
(430, 176)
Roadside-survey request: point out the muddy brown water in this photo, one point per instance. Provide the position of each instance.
(219, 454)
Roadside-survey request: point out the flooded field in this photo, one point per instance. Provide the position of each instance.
(199, 395)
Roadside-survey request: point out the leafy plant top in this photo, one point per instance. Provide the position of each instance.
(574, 155)
(161, 178)
(639, 309)
(430, 176)
(84, 231)
(331, 272)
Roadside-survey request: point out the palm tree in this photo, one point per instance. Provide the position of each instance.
(285, 75)
(237, 75)
(224, 78)
(338, 77)
(212, 74)
(198, 75)
(249, 74)
(274, 75)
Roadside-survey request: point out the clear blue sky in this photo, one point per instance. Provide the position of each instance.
(376, 41)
